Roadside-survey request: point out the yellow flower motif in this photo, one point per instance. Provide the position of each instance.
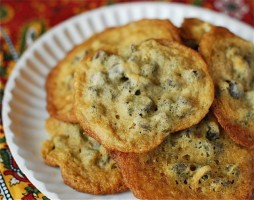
(10, 68)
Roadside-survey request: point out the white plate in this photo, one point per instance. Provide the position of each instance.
(24, 104)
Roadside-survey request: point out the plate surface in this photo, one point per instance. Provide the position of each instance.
(24, 104)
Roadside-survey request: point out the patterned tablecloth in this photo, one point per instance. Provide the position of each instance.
(22, 22)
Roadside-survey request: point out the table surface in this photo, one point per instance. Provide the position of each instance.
(17, 17)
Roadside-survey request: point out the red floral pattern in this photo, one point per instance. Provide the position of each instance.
(22, 18)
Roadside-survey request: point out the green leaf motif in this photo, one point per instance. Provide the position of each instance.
(2, 71)
(37, 26)
(2, 140)
(6, 158)
(198, 2)
(3, 12)
(45, 198)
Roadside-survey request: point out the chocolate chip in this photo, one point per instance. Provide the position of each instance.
(211, 135)
(137, 92)
(179, 169)
(124, 78)
(205, 177)
(234, 90)
(195, 73)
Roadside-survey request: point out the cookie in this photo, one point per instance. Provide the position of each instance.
(201, 162)
(85, 164)
(231, 65)
(59, 84)
(192, 30)
(131, 100)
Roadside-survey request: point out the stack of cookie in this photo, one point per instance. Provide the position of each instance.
(164, 111)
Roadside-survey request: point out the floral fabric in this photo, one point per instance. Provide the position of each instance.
(22, 22)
